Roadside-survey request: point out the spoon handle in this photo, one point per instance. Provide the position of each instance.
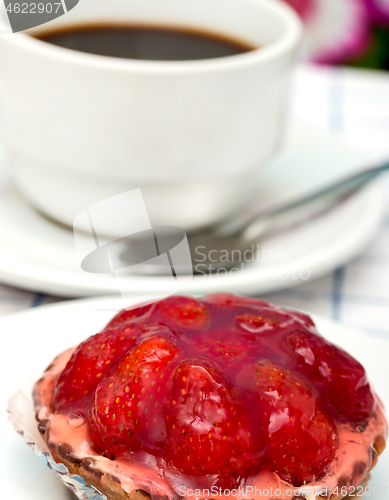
(317, 201)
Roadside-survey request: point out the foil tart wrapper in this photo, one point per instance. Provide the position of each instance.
(22, 417)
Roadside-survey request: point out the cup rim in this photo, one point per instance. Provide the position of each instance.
(286, 42)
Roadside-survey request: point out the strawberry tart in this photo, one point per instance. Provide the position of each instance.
(198, 398)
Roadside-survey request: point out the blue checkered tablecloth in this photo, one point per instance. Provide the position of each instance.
(352, 106)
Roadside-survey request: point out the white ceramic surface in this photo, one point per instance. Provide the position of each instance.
(47, 331)
(82, 127)
(39, 255)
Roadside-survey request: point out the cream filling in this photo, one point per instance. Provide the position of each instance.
(352, 460)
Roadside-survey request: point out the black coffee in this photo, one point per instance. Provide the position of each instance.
(145, 42)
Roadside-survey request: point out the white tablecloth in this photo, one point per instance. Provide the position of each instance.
(352, 106)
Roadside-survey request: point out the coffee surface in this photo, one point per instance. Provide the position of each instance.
(145, 42)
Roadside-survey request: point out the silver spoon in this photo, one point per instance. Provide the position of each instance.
(231, 238)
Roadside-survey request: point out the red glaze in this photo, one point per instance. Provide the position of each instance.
(220, 387)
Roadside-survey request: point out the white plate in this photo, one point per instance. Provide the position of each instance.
(39, 255)
(45, 332)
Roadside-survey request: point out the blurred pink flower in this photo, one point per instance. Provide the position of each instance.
(378, 10)
(335, 30)
(303, 7)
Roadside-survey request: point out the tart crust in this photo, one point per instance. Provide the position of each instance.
(111, 487)
(113, 490)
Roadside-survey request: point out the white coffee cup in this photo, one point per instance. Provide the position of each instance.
(193, 135)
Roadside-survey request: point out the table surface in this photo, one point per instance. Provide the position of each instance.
(352, 106)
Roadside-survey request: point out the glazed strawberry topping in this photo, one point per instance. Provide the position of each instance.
(89, 363)
(339, 376)
(217, 388)
(302, 439)
(126, 411)
(189, 313)
(208, 431)
(126, 316)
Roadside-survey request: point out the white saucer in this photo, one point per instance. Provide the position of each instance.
(37, 254)
(47, 331)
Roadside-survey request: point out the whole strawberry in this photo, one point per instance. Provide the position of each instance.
(183, 312)
(336, 374)
(208, 429)
(127, 413)
(302, 439)
(88, 365)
